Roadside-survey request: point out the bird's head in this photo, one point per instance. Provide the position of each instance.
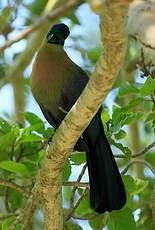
(58, 34)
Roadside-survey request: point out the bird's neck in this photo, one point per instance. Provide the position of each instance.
(49, 61)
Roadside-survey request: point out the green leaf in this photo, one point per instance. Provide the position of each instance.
(36, 127)
(94, 54)
(66, 171)
(151, 116)
(149, 87)
(140, 185)
(133, 103)
(133, 118)
(72, 225)
(33, 120)
(8, 222)
(150, 157)
(121, 220)
(15, 199)
(118, 118)
(67, 193)
(96, 223)
(133, 186)
(5, 126)
(78, 158)
(15, 167)
(5, 17)
(120, 135)
(105, 117)
(127, 88)
(120, 146)
(31, 138)
(48, 132)
(7, 139)
(84, 206)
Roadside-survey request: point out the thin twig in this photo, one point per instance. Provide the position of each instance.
(141, 162)
(104, 222)
(7, 207)
(86, 217)
(145, 150)
(76, 205)
(75, 184)
(119, 156)
(75, 187)
(14, 186)
(51, 16)
(36, 152)
(21, 153)
(8, 216)
(26, 214)
(12, 152)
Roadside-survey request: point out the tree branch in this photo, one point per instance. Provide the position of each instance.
(34, 41)
(86, 217)
(51, 16)
(75, 188)
(26, 214)
(144, 151)
(8, 216)
(76, 205)
(141, 162)
(75, 184)
(104, 222)
(14, 186)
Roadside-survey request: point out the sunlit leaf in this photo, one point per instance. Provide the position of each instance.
(66, 171)
(127, 88)
(14, 167)
(149, 87)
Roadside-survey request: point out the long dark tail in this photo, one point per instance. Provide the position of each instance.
(107, 191)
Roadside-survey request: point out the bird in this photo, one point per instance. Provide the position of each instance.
(56, 84)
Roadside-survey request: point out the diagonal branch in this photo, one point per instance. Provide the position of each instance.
(141, 162)
(14, 186)
(144, 150)
(34, 41)
(51, 16)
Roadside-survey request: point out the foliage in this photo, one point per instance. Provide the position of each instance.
(22, 148)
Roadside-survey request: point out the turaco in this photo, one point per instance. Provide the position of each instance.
(57, 82)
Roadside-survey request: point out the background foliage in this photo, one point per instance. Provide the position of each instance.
(128, 118)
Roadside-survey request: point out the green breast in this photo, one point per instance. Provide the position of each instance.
(48, 77)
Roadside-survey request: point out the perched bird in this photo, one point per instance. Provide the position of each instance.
(56, 83)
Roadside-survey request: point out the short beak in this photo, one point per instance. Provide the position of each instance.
(51, 38)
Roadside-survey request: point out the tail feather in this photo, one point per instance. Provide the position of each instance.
(107, 191)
